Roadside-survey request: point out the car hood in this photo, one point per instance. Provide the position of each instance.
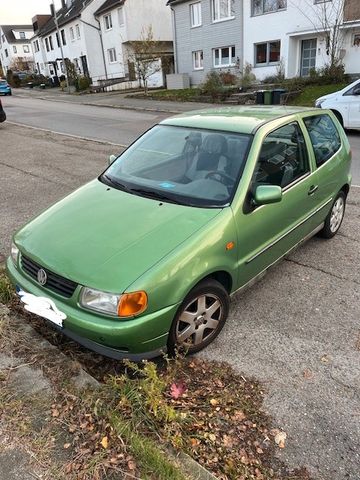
(328, 96)
(106, 238)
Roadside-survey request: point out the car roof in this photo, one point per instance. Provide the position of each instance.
(239, 119)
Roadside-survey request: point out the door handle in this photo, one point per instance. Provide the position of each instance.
(313, 189)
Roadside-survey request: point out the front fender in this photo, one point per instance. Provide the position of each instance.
(170, 280)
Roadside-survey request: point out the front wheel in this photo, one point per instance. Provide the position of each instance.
(335, 217)
(200, 317)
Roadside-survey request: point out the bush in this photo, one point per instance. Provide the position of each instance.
(16, 82)
(228, 78)
(82, 83)
(213, 86)
(247, 77)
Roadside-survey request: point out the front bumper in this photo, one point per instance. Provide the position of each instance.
(140, 338)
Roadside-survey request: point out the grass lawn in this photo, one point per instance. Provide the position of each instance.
(311, 93)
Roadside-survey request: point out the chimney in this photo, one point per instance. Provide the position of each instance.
(52, 9)
(63, 3)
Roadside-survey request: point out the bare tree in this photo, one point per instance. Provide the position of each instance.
(326, 18)
(145, 55)
(21, 64)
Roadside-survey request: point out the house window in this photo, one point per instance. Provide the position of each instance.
(14, 48)
(224, 57)
(57, 39)
(195, 14)
(77, 66)
(63, 38)
(259, 7)
(36, 46)
(6, 53)
(356, 41)
(22, 35)
(26, 48)
(47, 45)
(222, 9)
(77, 29)
(72, 36)
(198, 60)
(50, 43)
(267, 53)
(108, 22)
(121, 16)
(112, 55)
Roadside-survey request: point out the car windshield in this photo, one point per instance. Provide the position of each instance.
(182, 165)
(3, 82)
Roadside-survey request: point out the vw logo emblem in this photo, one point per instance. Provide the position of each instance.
(41, 276)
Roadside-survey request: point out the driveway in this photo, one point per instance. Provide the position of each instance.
(297, 330)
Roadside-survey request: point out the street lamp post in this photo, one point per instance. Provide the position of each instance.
(61, 47)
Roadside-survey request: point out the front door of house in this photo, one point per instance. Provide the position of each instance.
(308, 56)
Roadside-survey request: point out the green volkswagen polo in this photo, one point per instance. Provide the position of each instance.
(145, 257)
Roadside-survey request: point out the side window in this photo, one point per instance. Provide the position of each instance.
(283, 158)
(324, 137)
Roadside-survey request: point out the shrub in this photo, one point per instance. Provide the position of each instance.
(212, 86)
(82, 83)
(228, 78)
(247, 77)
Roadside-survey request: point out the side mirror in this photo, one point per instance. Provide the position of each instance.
(112, 158)
(266, 194)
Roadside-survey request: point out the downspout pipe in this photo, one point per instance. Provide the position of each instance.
(175, 40)
(101, 42)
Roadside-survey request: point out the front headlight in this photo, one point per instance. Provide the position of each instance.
(99, 301)
(14, 252)
(126, 305)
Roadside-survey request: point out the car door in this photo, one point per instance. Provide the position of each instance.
(267, 232)
(354, 108)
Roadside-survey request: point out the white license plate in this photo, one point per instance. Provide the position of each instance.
(42, 306)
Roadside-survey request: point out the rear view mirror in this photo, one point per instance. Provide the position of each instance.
(266, 194)
(112, 158)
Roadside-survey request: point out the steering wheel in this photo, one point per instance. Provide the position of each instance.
(225, 179)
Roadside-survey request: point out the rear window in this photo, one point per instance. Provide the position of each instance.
(324, 137)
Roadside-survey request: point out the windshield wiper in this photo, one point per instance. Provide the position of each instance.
(115, 183)
(155, 195)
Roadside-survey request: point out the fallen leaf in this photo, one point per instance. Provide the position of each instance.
(131, 465)
(214, 402)
(325, 359)
(177, 390)
(105, 442)
(67, 445)
(280, 439)
(308, 374)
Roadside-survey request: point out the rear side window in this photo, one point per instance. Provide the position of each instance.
(324, 137)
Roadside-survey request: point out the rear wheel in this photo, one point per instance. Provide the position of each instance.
(335, 217)
(200, 317)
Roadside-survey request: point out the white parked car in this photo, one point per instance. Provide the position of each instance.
(345, 104)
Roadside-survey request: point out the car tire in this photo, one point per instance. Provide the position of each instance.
(200, 318)
(335, 217)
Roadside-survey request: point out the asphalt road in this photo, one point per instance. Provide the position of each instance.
(103, 123)
(297, 330)
(99, 123)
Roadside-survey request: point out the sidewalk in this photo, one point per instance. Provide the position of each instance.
(112, 100)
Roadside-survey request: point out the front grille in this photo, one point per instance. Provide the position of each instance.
(54, 282)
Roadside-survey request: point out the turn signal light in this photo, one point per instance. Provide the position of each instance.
(132, 304)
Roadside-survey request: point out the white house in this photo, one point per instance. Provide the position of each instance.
(15, 47)
(93, 34)
(125, 21)
(296, 33)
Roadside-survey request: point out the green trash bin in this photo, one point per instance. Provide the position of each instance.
(268, 97)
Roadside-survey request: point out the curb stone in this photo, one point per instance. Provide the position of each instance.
(190, 466)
